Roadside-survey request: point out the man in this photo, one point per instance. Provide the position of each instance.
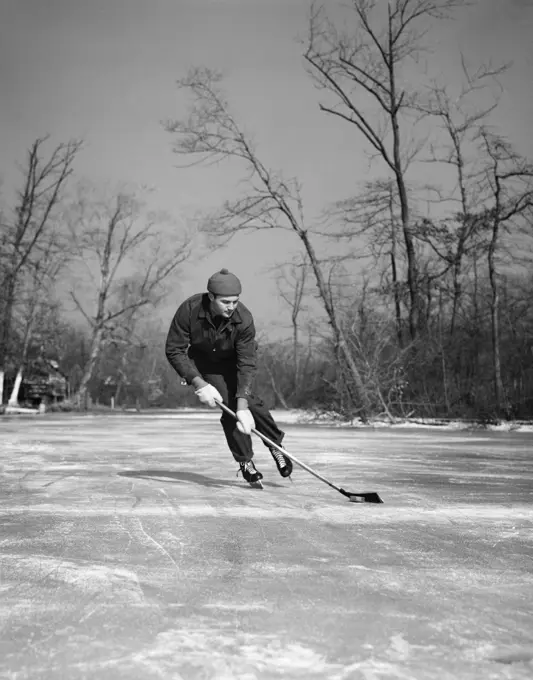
(211, 345)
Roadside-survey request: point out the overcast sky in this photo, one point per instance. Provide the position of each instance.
(105, 70)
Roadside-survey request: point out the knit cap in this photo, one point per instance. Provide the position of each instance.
(224, 283)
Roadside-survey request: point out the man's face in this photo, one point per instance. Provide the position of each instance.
(223, 305)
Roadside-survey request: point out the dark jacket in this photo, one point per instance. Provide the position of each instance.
(195, 345)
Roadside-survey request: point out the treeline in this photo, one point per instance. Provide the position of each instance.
(420, 282)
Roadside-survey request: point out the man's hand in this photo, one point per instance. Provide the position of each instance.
(208, 395)
(245, 421)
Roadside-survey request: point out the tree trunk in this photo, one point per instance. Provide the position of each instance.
(457, 288)
(89, 368)
(14, 398)
(415, 306)
(466, 226)
(443, 357)
(118, 391)
(8, 294)
(395, 282)
(495, 329)
(296, 357)
(495, 319)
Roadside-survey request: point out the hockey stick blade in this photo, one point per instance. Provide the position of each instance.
(368, 497)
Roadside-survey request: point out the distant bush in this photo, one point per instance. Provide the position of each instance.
(62, 407)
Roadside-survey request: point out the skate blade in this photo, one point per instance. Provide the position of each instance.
(256, 485)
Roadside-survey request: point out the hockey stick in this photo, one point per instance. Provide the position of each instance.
(368, 497)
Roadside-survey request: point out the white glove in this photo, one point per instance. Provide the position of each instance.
(208, 395)
(245, 421)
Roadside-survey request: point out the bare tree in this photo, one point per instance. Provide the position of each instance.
(28, 225)
(291, 288)
(35, 300)
(210, 133)
(460, 118)
(128, 262)
(508, 182)
(362, 70)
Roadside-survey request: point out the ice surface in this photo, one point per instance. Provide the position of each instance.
(129, 549)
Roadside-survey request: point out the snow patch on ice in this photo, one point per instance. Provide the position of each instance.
(332, 419)
(84, 576)
(228, 654)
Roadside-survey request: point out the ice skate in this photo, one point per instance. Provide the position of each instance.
(283, 463)
(251, 474)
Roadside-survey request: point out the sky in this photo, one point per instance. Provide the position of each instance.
(105, 71)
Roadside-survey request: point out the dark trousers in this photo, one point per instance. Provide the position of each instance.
(240, 445)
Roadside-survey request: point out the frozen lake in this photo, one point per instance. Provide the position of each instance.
(131, 550)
